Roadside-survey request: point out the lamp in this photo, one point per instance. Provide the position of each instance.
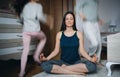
(112, 25)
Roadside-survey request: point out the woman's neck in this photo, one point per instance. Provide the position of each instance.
(33, 1)
(69, 32)
(68, 29)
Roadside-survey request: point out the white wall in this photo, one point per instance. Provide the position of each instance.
(108, 9)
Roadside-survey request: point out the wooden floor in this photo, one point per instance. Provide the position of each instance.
(11, 68)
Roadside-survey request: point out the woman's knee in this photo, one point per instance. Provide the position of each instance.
(46, 66)
(92, 67)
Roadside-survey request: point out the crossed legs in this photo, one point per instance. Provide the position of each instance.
(60, 67)
(78, 69)
(27, 36)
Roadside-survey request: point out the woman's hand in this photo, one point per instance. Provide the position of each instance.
(42, 57)
(94, 58)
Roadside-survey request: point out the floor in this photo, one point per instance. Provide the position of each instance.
(11, 68)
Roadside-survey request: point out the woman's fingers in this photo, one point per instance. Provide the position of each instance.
(42, 57)
(95, 58)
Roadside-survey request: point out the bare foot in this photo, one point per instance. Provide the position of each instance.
(82, 74)
(63, 65)
(79, 74)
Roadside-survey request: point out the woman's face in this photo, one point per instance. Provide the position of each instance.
(69, 20)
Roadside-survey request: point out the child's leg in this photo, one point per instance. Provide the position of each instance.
(26, 43)
(42, 40)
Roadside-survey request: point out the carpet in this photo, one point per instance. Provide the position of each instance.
(101, 72)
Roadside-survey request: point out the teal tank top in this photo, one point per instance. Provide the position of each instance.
(69, 48)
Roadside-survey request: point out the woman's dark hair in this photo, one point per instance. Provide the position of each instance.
(63, 26)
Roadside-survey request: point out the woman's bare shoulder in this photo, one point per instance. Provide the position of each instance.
(79, 34)
(59, 34)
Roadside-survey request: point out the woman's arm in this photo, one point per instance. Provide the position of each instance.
(82, 50)
(56, 49)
